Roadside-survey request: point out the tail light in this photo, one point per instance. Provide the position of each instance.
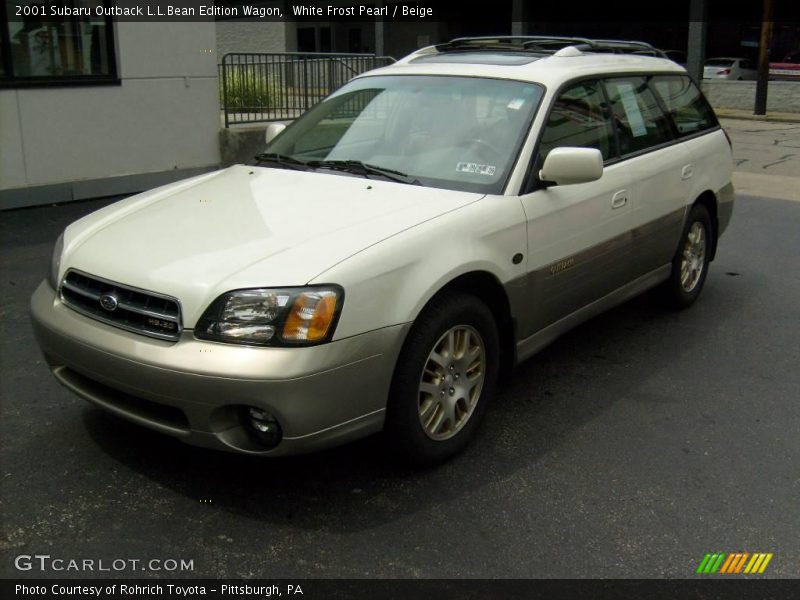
(724, 72)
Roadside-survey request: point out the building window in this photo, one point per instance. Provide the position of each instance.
(306, 39)
(325, 40)
(41, 45)
(354, 41)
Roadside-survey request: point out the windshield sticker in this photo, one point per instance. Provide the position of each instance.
(631, 106)
(471, 167)
(516, 103)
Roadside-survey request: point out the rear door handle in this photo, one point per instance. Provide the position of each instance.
(619, 199)
(687, 172)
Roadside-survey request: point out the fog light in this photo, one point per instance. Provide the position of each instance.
(264, 427)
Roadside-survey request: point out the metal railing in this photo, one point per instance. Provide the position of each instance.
(261, 87)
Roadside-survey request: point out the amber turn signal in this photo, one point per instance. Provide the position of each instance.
(311, 316)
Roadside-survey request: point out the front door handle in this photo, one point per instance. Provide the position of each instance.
(619, 199)
(687, 172)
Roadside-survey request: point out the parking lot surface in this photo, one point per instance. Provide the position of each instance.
(629, 448)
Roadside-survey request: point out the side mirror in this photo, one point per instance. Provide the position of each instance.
(273, 129)
(570, 165)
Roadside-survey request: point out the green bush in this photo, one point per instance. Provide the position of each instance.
(247, 91)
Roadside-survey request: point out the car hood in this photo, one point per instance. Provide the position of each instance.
(245, 227)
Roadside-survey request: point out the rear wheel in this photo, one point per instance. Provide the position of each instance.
(690, 263)
(444, 377)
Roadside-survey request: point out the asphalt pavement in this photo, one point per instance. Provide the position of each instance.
(631, 447)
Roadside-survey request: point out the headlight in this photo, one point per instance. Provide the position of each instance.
(55, 262)
(273, 317)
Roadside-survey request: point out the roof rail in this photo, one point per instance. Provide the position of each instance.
(508, 42)
(547, 44)
(627, 46)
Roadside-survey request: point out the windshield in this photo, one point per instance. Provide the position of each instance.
(460, 133)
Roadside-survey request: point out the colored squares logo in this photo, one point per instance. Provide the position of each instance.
(734, 563)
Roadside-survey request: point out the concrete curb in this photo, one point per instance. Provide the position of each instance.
(776, 117)
(766, 185)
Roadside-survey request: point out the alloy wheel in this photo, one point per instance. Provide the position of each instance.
(451, 382)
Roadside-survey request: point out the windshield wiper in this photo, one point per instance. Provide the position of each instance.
(284, 160)
(365, 169)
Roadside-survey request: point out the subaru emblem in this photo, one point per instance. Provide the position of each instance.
(109, 302)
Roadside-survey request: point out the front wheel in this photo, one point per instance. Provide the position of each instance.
(444, 377)
(690, 263)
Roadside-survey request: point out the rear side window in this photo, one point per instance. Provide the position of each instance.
(686, 106)
(578, 119)
(638, 118)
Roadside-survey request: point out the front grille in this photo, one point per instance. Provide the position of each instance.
(123, 306)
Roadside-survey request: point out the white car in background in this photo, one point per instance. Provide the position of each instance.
(407, 240)
(733, 69)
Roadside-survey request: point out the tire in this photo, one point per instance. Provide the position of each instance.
(436, 404)
(690, 263)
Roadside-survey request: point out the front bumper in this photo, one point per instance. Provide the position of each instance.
(194, 390)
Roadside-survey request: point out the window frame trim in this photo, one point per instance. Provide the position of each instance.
(531, 182)
(11, 81)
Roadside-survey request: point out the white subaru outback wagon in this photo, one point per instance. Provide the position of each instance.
(416, 233)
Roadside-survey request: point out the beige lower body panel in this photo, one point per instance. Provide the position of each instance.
(532, 344)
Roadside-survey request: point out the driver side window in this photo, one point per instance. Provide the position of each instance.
(578, 118)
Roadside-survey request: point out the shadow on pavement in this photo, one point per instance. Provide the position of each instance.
(358, 487)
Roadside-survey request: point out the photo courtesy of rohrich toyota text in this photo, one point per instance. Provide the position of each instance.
(399, 299)
(152, 590)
